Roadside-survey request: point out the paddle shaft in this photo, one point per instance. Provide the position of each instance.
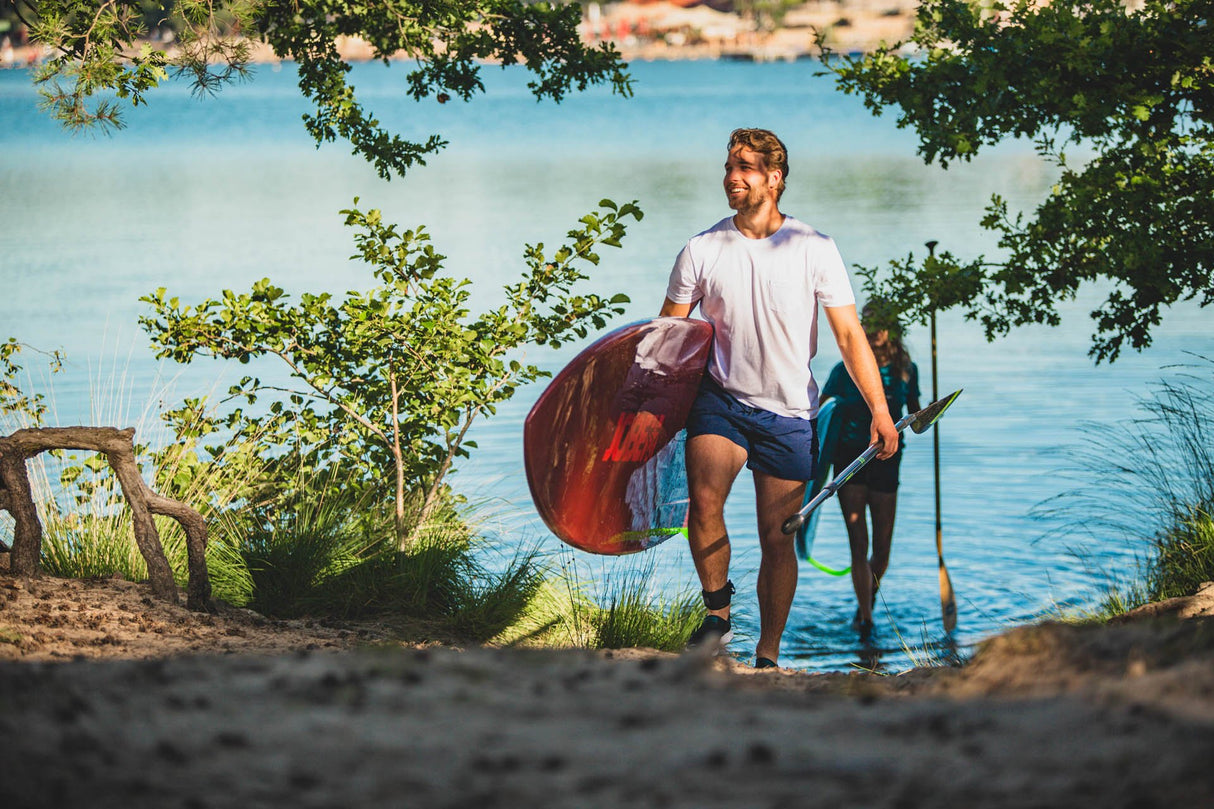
(936, 451)
(794, 522)
(948, 603)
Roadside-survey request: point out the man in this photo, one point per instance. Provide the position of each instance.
(758, 277)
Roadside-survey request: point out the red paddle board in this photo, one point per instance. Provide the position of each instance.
(603, 445)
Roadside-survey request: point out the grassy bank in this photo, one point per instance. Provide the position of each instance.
(322, 551)
(1151, 478)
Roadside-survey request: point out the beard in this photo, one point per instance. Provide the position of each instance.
(751, 201)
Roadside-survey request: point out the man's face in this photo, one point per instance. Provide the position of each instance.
(748, 183)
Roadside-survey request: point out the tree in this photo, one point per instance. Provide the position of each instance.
(101, 50)
(1135, 88)
(391, 378)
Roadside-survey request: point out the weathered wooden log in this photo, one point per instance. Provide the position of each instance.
(118, 447)
(27, 530)
(4, 500)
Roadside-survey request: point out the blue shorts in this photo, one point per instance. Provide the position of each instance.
(781, 446)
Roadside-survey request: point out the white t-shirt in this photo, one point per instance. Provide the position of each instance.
(762, 296)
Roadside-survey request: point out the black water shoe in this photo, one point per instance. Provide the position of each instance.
(713, 634)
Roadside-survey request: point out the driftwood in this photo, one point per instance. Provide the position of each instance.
(117, 445)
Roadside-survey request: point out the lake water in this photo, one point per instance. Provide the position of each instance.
(198, 195)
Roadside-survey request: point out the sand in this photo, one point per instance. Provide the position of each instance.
(110, 698)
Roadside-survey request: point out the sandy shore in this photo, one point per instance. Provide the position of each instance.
(108, 698)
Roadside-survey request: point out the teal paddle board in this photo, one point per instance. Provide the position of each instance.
(828, 436)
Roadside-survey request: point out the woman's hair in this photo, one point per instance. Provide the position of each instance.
(880, 314)
(775, 153)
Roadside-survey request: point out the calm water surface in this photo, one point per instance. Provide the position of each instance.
(201, 195)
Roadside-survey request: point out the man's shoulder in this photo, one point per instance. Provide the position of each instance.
(791, 227)
(724, 227)
(795, 227)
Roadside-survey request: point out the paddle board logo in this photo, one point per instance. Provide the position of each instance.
(637, 437)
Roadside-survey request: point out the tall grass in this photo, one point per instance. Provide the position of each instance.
(278, 553)
(631, 614)
(87, 530)
(306, 546)
(92, 545)
(1150, 481)
(1184, 556)
(625, 606)
(323, 551)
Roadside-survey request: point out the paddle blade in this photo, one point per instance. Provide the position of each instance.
(948, 602)
(931, 414)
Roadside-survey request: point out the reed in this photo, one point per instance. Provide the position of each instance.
(625, 606)
(1150, 482)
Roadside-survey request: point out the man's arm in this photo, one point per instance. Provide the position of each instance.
(860, 363)
(672, 309)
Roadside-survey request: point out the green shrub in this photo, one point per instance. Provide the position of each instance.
(324, 550)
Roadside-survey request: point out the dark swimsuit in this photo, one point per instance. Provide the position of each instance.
(855, 423)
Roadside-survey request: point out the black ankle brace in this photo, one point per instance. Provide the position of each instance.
(718, 599)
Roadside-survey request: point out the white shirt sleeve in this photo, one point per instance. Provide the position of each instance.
(831, 282)
(683, 286)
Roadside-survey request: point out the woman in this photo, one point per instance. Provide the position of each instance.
(875, 487)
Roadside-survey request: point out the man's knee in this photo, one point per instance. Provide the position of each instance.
(778, 546)
(706, 503)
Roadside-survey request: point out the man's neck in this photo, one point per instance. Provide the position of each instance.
(760, 222)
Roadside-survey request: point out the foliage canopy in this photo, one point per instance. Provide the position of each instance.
(103, 57)
(1134, 89)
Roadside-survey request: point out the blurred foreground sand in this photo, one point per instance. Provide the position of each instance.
(109, 698)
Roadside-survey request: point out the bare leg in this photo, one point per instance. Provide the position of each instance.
(883, 506)
(713, 462)
(853, 500)
(775, 499)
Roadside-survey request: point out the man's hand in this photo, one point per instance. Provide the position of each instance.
(885, 435)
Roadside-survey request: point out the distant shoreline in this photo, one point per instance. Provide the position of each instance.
(860, 31)
(28, 57)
